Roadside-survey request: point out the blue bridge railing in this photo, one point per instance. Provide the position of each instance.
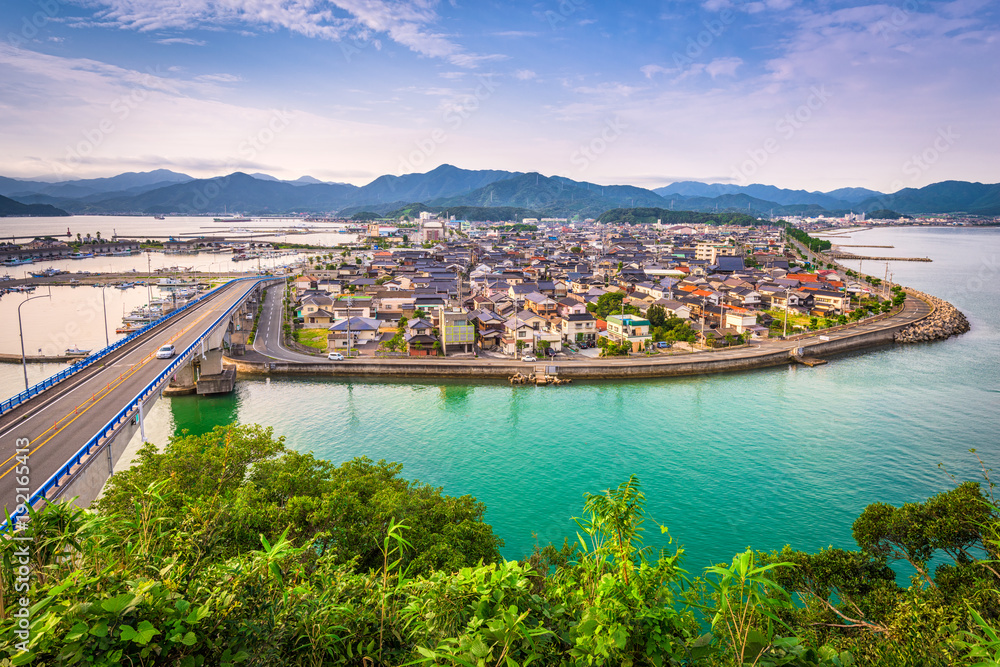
(53, 380)
(130, 410)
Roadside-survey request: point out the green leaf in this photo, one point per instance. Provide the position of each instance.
(116, 604)
(23, 658)
(101, 629)
(76, 632)
(479, 648)
(189, 639)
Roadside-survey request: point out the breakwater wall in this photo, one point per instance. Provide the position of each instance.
(944, 322)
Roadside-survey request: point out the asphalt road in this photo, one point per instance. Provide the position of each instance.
(59, 421)
(269, 334)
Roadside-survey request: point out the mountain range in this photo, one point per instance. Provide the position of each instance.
(164, 192)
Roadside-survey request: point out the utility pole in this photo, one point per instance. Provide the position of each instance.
(350, 302)
(785, 332)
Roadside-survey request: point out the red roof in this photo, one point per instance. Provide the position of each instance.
(805, 277)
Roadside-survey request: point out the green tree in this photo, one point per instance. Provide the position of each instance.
(656, 315)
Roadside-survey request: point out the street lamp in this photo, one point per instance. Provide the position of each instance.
(20, 333)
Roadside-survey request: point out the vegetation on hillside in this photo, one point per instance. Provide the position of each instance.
(229, 549)
(814, 244)
(650, 216)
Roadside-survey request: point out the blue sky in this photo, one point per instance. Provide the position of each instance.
(815, 95)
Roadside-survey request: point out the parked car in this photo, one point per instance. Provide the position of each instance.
(166, 352)
(529, 357)
(663, 343)
(335, 356)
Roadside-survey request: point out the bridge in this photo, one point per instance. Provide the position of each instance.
(63, 437)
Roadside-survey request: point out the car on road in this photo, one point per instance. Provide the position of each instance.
(166, 352)
(528, 357)
(335, 356)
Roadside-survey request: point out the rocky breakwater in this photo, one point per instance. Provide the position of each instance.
(946, 321)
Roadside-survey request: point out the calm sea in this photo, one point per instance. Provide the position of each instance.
(788, 455)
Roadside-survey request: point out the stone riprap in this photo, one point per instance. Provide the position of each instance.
(946, 321)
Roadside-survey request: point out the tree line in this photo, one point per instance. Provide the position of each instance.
(230, 549)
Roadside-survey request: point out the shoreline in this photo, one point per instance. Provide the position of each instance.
(919, 311)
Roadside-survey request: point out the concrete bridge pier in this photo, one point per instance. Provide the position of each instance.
(183, 381)
(213, 378)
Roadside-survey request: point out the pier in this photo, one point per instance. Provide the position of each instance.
(847, 255)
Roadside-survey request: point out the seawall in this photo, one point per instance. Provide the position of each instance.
(701, 363)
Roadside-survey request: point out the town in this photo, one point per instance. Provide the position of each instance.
(548, 287)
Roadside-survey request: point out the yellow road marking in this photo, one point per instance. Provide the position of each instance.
(93, 400)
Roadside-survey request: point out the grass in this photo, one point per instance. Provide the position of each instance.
(793, 318)
(314, 338)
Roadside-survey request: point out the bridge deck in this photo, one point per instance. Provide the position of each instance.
(59, 421)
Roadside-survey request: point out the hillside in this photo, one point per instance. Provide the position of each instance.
(10, 207)
(480, 192)
(553, 196)
(236, 192)
(649, 216)
(944, 197)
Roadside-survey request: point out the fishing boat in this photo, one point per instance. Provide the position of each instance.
(46, 273)
(81, 255)
(233, 218)
(144, 315)
(17, 262)
(76, 352)
(129, 328)
(159, 217)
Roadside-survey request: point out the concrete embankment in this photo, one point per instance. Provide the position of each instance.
(597, 369)
(37, 359)
(701, 363)
(944, 322)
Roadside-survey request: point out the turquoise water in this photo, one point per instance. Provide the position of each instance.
(788, 455)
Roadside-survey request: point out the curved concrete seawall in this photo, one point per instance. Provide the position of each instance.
(699, 363)
(881, 330)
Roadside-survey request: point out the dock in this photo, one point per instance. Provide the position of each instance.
(39, 358)
(847, 255)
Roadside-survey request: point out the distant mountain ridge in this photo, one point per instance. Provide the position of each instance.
(163, 191)
(9, 207)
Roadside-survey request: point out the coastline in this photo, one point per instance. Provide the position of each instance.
(863, 335)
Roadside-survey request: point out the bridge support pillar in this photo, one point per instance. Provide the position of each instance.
(182, 383)
(215, 378)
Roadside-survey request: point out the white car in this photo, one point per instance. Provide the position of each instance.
(528, 357)
(166, 352)
(335, 356)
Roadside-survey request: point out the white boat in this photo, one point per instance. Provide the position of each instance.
(76, 352)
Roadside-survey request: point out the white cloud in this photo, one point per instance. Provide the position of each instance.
(181, 40)
(723, 67)
(651, 70)
(407, 22)
(525, 75)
